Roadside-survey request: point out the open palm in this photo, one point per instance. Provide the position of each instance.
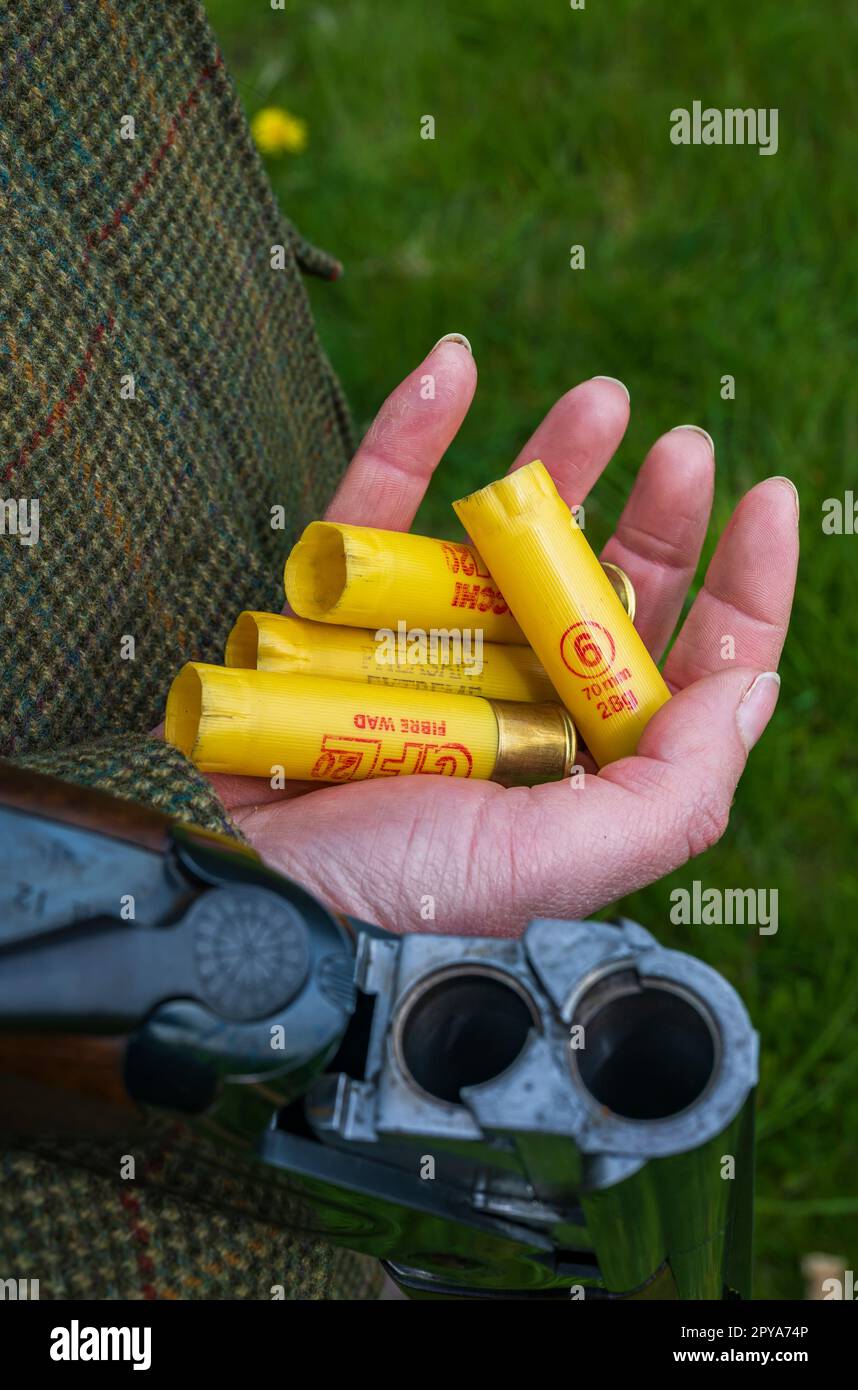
(486, 859)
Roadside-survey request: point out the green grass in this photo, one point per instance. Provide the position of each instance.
(552, 129)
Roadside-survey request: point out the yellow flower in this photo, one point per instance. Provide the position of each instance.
(275, 130)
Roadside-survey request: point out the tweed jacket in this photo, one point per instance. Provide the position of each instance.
(162, 389)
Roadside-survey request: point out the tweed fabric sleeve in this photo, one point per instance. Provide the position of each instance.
(85, 1235)
(163, 394)
(164, 404)
(139, 768)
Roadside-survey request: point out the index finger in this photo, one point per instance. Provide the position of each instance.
(384, 483)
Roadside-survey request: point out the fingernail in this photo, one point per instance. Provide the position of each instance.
(697, 430)
(757, 706)
(616, 380)
(779, 478)
(455, 338)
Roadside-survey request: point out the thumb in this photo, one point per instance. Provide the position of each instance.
(573, 851)
(694, 752)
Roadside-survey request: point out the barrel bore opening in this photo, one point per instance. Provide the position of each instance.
(462, 1031)
(184, 710)
(242, 645)
(316, 572)
(649, 1052)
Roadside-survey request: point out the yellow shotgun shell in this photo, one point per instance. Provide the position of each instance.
(257, 723)
(440, 660)
(363, 577)
(359, 576)
(568, 608)
(622, 587)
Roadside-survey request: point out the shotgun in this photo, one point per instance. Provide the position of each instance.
(565, 1115)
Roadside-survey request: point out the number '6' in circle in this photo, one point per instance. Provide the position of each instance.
(588, 650)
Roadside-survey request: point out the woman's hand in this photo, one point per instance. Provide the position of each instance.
(486, 859)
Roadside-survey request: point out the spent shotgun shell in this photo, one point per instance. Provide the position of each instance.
(440, 660)
(567, 607)
(264, 723)
(360, 576)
